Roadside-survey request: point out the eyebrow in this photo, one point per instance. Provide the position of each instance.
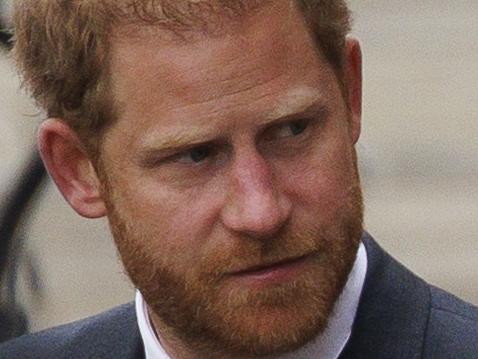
(186, 138)
(318, 109)
(174, 142)
(297, 100)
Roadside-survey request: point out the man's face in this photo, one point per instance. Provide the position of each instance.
(231, 183)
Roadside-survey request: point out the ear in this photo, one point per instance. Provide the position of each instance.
(353, 78)
(70, 167)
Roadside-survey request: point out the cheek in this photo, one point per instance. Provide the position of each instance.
(321, 184)
(175, 225)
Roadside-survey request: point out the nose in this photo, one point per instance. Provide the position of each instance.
(255, 206)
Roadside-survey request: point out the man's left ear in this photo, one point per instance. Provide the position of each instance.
(353, 78)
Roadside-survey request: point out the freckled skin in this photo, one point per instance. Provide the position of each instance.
(258, 193)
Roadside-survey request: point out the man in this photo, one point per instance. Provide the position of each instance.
(218, 138)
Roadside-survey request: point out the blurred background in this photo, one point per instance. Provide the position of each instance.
(418, 157)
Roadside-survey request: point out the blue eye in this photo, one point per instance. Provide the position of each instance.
(291, 129)
(196, 155)
(297, 127)
(199, 154)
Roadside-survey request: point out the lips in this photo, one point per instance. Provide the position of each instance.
(264, 268)
(264, 275)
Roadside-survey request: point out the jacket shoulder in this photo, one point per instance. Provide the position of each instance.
(452, 330)
(402, 316)
(99, 336)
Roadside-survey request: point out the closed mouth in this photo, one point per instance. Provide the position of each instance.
(263, 268)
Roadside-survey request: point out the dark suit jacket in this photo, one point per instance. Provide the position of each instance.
(399, 317)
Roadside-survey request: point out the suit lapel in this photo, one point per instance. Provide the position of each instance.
(393, 310)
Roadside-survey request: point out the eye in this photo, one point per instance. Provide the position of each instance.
(195, 155)
(297, 127)
(291, 129)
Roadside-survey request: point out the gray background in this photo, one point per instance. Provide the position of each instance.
(418, 156)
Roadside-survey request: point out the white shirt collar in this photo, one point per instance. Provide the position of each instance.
(328, 345)
(152, 347)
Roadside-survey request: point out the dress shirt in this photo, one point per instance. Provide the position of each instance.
(328, 345)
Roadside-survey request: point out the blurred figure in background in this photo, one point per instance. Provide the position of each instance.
(12, 317)
(18, 183)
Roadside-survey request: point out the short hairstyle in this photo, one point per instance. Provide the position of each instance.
(61, 47)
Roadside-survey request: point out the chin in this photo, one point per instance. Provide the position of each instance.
(273, 332)
(274, 321)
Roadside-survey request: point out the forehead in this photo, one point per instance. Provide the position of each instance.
(267, 55)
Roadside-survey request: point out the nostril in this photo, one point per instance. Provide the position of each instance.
(257, 215)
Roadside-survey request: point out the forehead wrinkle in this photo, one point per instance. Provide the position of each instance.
(230, 95)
